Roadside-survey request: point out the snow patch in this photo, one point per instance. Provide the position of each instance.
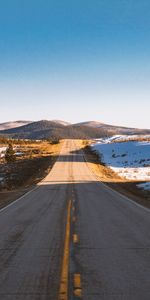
(145, 186)
(2, 151)
(129, 159)
(15, 124)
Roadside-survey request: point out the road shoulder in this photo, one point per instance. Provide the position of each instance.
(111, 179)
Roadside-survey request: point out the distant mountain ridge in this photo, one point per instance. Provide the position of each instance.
(13, 124)
(89, 123)
(57, 129)
(61, 122)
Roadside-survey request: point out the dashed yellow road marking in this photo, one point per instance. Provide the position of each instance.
(78, 293)
(75, 238)
(77, 281)
(63, 291)
(77, 285)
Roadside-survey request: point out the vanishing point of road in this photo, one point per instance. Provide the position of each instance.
(72, 237)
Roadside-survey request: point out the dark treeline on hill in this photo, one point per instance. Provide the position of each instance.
(53, 130)
(56, 130)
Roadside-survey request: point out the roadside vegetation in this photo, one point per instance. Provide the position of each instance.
(129, 187)
(23, 163)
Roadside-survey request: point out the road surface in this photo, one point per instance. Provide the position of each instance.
(110, 250)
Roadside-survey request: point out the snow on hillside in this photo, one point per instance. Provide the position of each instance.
(94, 124)
(130, 159)
(9, 125)
(64, 123)
(123, 138)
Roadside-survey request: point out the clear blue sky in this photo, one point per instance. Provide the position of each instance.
(75, 60)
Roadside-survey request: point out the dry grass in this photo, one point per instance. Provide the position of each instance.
(28, 169)
(105, 174)
(33, 149)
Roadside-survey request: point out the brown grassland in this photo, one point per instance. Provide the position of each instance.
(107, 176)
(33, 162)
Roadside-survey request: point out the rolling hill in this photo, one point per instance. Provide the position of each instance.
(13, 124)
(112, 128)
(57, 129)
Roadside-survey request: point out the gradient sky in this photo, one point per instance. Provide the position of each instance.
(75, 60)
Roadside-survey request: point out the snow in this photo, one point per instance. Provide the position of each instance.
(145, 186)
(9, 125)
(121, 138)
(64, 123)
(2, 151)
(130, 159)
(19, 153)
(94, 124)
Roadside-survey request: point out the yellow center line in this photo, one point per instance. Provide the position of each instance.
(63, 291)
(77, 285)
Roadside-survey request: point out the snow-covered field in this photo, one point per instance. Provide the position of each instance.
(125, 155)
(122, 138)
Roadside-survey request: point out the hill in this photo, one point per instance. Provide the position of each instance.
(59, 129)
(113, 128)
(9, 125)
(52, 130)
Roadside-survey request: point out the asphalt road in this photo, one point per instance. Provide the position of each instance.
(112, 255)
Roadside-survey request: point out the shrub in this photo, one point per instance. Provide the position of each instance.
(54, 141)
(10, 154)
